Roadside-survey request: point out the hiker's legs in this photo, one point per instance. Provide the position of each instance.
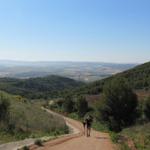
(88, 131)
(84, 129)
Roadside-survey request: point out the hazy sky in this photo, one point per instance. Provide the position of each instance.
(76, 30)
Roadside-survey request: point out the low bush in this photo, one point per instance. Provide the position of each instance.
(81, 106)
(147, 108)
(38, 142)
(4, 107)
(25, 148)
(68, 104)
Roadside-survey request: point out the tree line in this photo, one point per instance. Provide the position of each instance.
(119, 107)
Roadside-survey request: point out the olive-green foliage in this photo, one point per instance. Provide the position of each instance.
(4, 106)
(99, 126)
(25, 148)
(89, 88)
(119, 107)
(124, 146)
(138, 77)
(56, 105)
(68, 104)
(147, 108)
(81, 106)
(36, 88)
(75, 107)
(140, 111)
(74, 115)
(38, 142)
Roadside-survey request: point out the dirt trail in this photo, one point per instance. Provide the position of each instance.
(77, 141)
(27, 142)
(16, 145)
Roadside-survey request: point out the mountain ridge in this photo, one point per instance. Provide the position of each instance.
(138, 78)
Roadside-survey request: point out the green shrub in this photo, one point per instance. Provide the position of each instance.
(147, 109)
(99, 126)
(124, 146)
(68, 104)
(81, 106)
(38, 142)
(25, 148)
(4, 106)
(114, 137)
(119, 105)
(74, 116)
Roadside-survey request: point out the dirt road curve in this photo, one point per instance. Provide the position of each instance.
(77, 141)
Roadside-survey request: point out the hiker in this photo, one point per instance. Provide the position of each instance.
(87, 123)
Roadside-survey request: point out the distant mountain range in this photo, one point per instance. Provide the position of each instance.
(83, 71)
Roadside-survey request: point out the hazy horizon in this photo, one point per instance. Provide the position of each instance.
(44, 61)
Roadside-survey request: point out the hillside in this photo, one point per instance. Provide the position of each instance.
(138, 78)
(44, 87)
(25, 120)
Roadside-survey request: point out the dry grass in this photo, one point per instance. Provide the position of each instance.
(140, 135)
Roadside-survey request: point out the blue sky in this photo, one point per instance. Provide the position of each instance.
(75, 30)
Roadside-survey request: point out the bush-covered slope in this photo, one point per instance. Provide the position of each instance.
(138, 78)
(45, 87)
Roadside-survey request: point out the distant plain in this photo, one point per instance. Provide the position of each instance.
(83, 71)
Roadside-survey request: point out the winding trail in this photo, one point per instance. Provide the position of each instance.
(76, 140)
(73, 141)
(28, 142)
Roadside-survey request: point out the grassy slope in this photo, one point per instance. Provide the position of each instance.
(140, 134)
(28, 120)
